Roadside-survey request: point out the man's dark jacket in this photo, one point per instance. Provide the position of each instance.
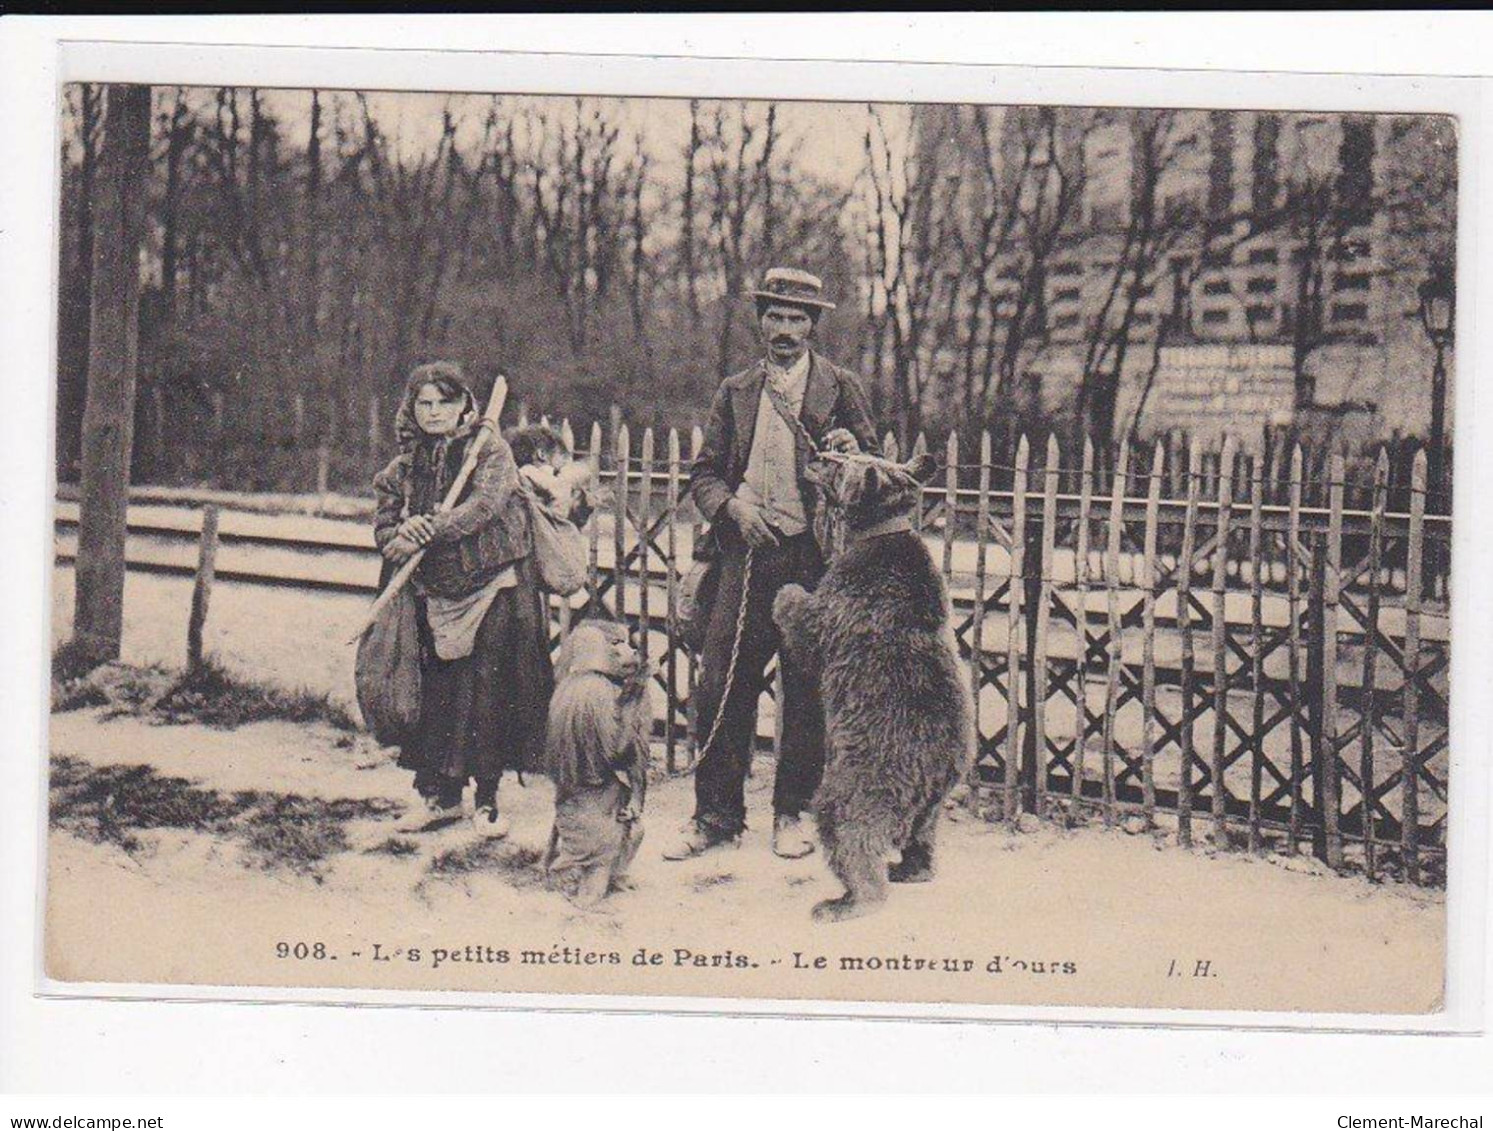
(833, 398)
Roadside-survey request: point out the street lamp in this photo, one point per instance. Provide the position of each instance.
(1438, 307)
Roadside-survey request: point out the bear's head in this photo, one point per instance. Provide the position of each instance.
(867, 491)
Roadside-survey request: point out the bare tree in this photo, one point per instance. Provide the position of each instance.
(108, 418)
(740, 156)
(1153, 228)
(689, 205)
(1041, 197)
(179, 126)
(911, 238)
(85, 113)
(578, 196)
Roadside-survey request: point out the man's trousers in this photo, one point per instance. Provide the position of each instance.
(720, 776)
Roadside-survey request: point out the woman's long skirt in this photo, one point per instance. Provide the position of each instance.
(485, 713)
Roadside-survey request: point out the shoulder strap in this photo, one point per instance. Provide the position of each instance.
(779, 402)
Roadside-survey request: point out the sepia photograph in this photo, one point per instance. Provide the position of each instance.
(965, 554)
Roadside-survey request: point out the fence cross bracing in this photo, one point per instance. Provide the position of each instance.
(1254, 644)
(1191, 642)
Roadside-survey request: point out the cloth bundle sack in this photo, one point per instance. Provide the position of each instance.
(559, 548)
(387, 671)
(697, 595)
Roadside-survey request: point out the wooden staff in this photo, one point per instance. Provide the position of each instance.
(485, 428)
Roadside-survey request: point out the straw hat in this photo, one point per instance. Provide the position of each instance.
(792, 287)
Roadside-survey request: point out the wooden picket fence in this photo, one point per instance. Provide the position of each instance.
(1159, 636)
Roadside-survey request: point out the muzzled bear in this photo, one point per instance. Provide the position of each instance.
(899, 722)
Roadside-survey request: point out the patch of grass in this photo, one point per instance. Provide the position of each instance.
(108, 804)
(396, 846)
(286, 830)
(521, 866)
(295, 834)
(211, 695)
(111, 804)
(208, 694)
(75, 695)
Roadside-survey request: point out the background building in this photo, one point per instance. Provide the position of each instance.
(1206, 270)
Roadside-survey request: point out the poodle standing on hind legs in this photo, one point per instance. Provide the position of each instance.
(899, 723)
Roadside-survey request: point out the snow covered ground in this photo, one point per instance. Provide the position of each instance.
(1276, 933)
(1045, 916)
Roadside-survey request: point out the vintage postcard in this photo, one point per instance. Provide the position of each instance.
(943, 553)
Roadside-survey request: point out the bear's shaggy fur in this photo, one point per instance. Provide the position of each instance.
(899, 723)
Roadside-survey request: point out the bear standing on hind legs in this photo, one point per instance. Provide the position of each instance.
(899, 723)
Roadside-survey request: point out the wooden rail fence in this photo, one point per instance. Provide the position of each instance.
(1145, 642)
(1249, 647)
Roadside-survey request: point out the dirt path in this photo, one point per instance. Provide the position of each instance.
(1083, 917)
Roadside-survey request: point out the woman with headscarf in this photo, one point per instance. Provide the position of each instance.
(486, 675)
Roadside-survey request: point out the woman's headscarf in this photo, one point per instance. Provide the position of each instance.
(431, 471)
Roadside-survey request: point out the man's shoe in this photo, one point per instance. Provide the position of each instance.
(790, 839)
(490, 823)
(695, 839)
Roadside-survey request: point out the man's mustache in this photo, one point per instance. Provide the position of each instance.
(784, 341)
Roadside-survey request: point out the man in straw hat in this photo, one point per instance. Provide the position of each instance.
(748, 481)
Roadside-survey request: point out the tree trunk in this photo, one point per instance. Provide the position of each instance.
(72, 344)
(108, 415)
(178, 137)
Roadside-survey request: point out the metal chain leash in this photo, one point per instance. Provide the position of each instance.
(784, 409)
(741, 611)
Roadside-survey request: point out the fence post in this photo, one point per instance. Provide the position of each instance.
(1410, 754)
(671, 571)
(1112, 608)
(1081, 625)
(645, 506)
(1148, 643)
(621, 456)
(919, 444)
(1256, 644)
(1220, 642)
(1371, 666)
(202, 585)
(1294, 550)
(692, 666)
(1015, 591)
(1331, 593)
(593, 533)
(1316, 588)
(1040, 595)
(1184, 622)
(950, 503)
(977, 624)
